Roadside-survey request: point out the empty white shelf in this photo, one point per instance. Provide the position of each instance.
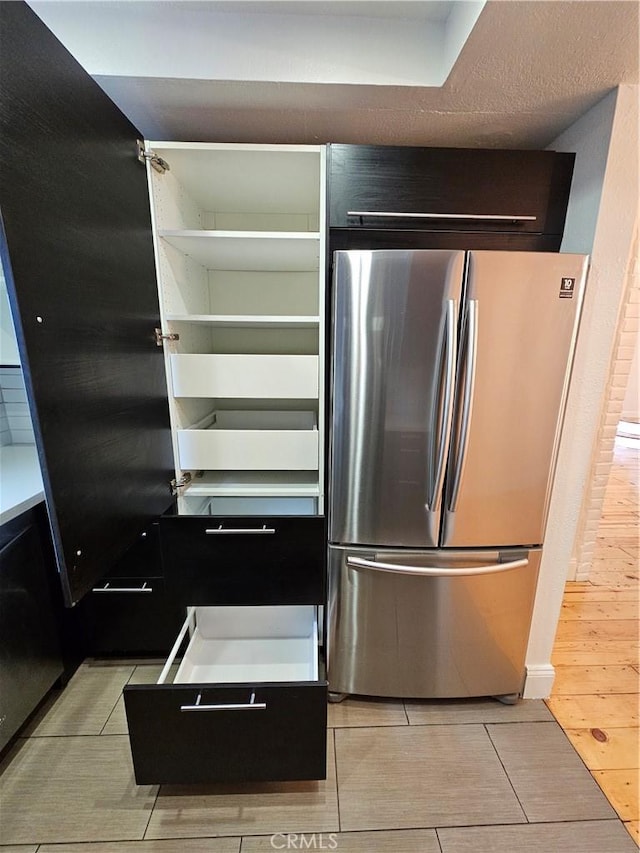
(247, 321)
(248, 250)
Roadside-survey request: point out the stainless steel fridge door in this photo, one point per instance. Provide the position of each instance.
(395, 316)
(430, 624)
(519, 327)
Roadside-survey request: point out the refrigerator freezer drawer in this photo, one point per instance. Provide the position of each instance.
(429, 624)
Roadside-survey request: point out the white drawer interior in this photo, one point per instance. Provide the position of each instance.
(248, 644)
(252, 506)
(242, 375)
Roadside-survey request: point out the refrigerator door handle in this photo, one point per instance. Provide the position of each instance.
(468, 380)
(446, 411)
(434, 571)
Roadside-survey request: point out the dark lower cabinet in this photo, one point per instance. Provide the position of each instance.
(376, 238)
(172, 742)
(30, 650)
(130, 611)
(244, 560)
(247, 700)
(130, 615)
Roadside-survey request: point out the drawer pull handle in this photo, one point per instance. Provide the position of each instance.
(434, 571)
(126, 589)
(239, 530)
(483, 217)
(251, 705)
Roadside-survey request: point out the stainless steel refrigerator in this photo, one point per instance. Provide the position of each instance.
(450, 372)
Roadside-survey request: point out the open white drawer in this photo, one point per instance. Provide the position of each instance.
(247, 644)
(247, 701)
(245, 376)
(251, 441)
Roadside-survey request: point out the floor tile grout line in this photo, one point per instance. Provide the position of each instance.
(531, 823)
(406, 713)
(335, 768)
(515, 793)
(106, 722)
(151, 811)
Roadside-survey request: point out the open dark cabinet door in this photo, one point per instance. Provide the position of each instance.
(78, 257)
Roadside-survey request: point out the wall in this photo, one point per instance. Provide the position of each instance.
(8, 344)
(15, 419)
(417, 47)
(16, 426)
(625, 346)
(631, 402)
(601, 220)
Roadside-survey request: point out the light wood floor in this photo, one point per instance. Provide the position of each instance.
(596, 696)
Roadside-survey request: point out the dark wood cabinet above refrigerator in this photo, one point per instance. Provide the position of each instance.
(447, 197)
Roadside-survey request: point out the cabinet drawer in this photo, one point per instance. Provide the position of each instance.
(251, 441)
(245, 376)
(244, 560)
(448, 189)
(247, 702)
(130, 615)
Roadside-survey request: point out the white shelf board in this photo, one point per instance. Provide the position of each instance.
(286, 484)
(248, 250)
(247, 321)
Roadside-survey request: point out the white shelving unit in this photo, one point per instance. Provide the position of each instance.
(240, 247)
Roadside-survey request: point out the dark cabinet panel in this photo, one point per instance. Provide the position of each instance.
(374, 238)
(130, 611)
(442, 189)
(131, 615)
(216, 560)
(30, 656)
(285, 740)
(79, 263)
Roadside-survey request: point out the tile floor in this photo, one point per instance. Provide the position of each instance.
(402, 777)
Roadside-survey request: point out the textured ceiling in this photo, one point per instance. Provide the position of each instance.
(527, 71)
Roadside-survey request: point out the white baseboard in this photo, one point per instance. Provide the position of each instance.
(538, 682)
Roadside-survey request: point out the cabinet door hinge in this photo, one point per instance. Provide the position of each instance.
(176, 485)
(160, 337)
(157, 163)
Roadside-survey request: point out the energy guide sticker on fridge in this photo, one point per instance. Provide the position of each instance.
(566, 288)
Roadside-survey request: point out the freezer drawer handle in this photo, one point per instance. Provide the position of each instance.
(251, 705)
(239, 530)
(484, 217)
(126, 589)
(432, 571)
